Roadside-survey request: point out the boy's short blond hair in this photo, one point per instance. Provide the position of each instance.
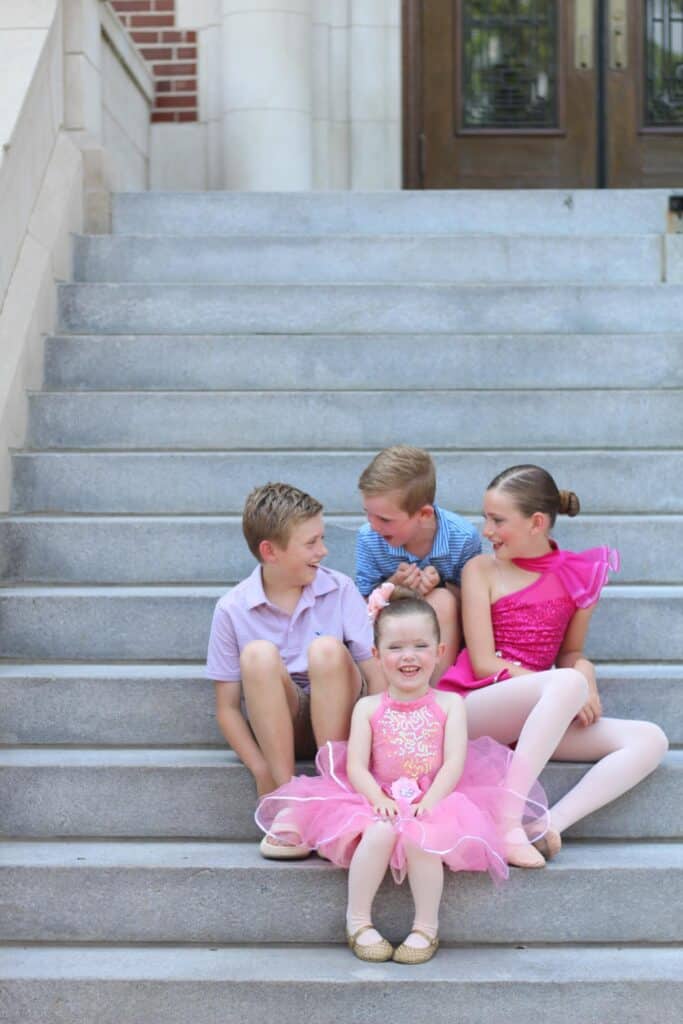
(409, 471)
(272, 511)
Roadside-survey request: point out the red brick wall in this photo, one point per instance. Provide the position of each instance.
(171, 54)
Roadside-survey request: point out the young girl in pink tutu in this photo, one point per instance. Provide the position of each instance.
(526, 608)
(408, 792)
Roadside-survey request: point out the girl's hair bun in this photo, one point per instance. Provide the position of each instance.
(569, 504)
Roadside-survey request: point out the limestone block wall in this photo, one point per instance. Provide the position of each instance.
(74, 124)
(293, 95)
(127, 97)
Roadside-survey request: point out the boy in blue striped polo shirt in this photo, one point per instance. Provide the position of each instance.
(411, 541)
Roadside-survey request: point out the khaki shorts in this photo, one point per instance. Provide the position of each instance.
(305, 747)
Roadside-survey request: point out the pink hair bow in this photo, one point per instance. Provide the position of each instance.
(379, 598)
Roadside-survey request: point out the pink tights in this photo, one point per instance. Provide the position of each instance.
(538, 711)
(368, 868)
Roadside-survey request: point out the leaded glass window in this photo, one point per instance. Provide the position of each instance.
(509, 61)
(664, 62)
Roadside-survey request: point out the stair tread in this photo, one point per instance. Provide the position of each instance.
(562, 964)
(174, 757)
(221, 855)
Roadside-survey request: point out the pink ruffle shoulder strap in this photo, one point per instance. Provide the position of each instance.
(583, 573)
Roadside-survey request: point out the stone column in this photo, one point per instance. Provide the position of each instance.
(267, 113)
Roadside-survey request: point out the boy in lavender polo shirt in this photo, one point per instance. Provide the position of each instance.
(294, 637)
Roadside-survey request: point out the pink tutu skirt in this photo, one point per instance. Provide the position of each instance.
(466, 829)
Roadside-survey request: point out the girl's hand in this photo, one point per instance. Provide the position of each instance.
(385, 807)
(429, 580)
(592, 709)
(424, 807)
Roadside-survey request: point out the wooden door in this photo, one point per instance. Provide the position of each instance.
(643, 63)
(543, 93)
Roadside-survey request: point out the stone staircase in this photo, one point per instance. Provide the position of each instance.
(216, 341)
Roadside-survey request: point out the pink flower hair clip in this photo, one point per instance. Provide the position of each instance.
(379, 598)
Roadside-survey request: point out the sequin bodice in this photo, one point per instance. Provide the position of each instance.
(529, 625)
(407, 739)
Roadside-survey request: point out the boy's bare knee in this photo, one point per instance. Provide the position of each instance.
(326, 652)
(443, 602)
(260, 656)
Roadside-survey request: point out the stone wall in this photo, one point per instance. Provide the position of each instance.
(74, 125)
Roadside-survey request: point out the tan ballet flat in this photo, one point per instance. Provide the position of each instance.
(374, 952)
(520, 853)
(404, 954)
(550, 844)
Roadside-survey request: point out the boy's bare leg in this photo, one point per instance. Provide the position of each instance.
(445, 603)
(236, 730)
(272, 704)
(335, 687)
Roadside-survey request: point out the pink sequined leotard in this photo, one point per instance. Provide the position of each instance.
(465, 829)
(530, 624)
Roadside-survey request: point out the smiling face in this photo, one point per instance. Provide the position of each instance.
(511, 533)
(297, 562)
(408, 650)
(394, 525)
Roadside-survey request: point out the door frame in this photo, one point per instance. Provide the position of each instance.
(411, 56)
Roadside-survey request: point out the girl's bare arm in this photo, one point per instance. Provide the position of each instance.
(358, 759)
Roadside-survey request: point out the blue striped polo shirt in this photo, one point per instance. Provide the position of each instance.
(456, 541)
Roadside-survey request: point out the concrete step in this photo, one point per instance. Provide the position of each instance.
(126, 985)
(217, 308)
(474, 259)
(631, 623)
(340, 361)
(173, 705)
(218, 482)
(510, 212)
(225, 892)
(211, 549)
(349, 419)
(208, 794)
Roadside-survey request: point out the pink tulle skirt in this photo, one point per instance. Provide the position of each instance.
(466, 829)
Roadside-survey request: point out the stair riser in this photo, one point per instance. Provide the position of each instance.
(205, 483)
(474, 419)
(378, 992)
(340, 361)
(257, 904)
(153, 712)
(115, 626)
(217, 802)
(459, 259)
(522, 212)
(186, 309)
(213, 551)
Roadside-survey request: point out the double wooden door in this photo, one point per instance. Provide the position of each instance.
(543, 93)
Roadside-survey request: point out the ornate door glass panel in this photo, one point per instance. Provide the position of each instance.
(508, 64)
(664, 63)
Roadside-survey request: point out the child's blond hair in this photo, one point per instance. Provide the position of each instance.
(409, 471)
(272, 511)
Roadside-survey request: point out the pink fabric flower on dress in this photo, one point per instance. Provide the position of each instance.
(405, 789)
(379, 598)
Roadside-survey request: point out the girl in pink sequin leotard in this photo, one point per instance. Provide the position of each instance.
(409, 792)
(526, 610)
